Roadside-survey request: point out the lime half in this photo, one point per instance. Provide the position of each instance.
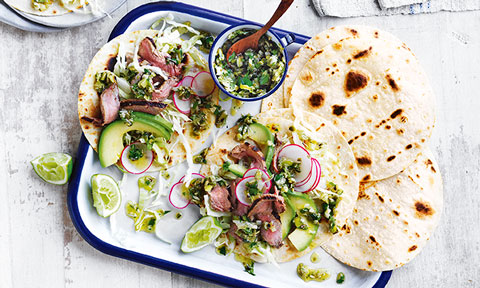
(54, 168)
(106, 194)
(202, 233)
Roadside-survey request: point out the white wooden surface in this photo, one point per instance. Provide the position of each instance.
(39, 78)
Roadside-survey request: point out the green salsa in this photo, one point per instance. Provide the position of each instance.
(252, 73)
(308, 274)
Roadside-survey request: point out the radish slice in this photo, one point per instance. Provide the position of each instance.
(176, 197)
(181, 105)
(186, 81)
(297, 152)
(136, 166)
(310, 175)
(265, 177)
(314, 181)
(241, 190)
(203, 84)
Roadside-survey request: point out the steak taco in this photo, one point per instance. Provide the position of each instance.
(281, 185)
(149, 89)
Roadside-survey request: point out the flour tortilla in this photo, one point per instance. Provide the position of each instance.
(393, 218)
(274, 101)
(88, 98)
(377, 95)
(55, 9)
(325, 38)
(323, 132)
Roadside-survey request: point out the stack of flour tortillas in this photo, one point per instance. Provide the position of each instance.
(373, 89)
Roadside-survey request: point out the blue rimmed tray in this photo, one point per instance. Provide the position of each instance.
(204, 264)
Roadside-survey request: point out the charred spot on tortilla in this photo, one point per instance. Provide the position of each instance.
(396, 113)
(317, 53)
(362, 53)
(363, 133)
(111, 63)
(316, 99)
(392, 83)
(354, 32)
(391, 158)
(372, 239)
(337, 46)
(400, 131)
(306, 77)
(338, 110)
(375, 34)
(364, 160)
(354, 81)
(423, 209)
(396, 212)
(366, 177)
(413, 248)
(409, 146)
(388, 127)
(369, 263)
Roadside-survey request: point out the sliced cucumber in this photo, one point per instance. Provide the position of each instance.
(301, 238)
(264, 138)
(237, 169)
(286, 218)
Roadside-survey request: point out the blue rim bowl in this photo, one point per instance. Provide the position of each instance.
(220, 40)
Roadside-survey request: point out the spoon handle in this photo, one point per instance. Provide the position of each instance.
(282, 8)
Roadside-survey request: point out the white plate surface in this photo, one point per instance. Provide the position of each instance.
(74, 19)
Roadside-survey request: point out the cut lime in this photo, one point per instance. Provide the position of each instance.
(202, 233)
(106, 194)
(54, 168)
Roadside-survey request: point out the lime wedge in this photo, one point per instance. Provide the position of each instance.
(202, 233)
(106, 194)
(54, 168)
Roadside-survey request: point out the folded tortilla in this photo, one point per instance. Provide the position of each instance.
(393, 218)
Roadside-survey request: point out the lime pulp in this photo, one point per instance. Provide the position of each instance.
(54, 168)
(106, 194)
(202, 233)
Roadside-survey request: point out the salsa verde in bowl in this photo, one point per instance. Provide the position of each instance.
(253, 74)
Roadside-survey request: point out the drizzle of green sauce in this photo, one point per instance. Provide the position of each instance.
(308, 274)
(315, 258)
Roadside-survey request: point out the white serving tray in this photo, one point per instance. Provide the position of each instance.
(146, 248)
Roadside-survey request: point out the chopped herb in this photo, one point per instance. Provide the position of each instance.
(200, 157)
(178, 215)
(135, 153)
(340, 278)
(126, 116)
(103, 80)
(243, 126)
(184, 93)
(220, 116)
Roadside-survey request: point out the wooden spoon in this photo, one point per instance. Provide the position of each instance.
(252, 41)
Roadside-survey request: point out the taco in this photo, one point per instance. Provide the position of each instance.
(282, 185)
(149, 87)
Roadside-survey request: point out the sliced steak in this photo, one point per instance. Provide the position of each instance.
(149, 52)
(245, 150)
(109, 106)
(273, 234)
(164, 90)
(219, 199)
(267, 204)
(145, 106)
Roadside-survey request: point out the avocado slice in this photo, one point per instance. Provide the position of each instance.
(286, 217)
(301, 238)
(264, 138)
(110, 146)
